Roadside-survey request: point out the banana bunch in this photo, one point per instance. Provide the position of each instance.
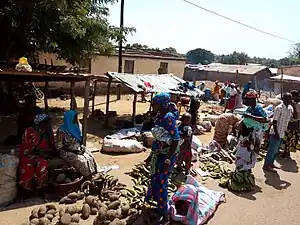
(216, 170)
(140, 176)
(238, 181)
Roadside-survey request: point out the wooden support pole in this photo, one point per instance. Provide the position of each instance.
(94, 95)
(73, 104)
(150, 107)
(118, 91)
(46, 97)
(107, 100)
(85, 111)
(134, 107)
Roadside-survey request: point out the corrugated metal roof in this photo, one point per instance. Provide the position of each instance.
(285, 78)
(160, 82)
(226, 68)
(273, 70)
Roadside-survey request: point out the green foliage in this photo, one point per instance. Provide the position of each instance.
(74, 29)
(239, 58)
(200, 55)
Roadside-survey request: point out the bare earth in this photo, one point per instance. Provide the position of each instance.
(275, 201)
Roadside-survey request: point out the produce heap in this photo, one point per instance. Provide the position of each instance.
(110, 201)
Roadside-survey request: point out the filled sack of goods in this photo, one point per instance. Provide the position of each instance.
(272, 101)
(111, 145)
(8, 179)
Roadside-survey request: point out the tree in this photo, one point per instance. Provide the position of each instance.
(170, 50)
(239, 58)
(75, 30)
(200, 55)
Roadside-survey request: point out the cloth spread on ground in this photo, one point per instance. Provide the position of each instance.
(202, 202)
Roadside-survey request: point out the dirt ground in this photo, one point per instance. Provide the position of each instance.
(276, 199)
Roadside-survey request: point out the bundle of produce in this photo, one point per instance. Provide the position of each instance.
(215, 169)
(140, 176)
(238, 181)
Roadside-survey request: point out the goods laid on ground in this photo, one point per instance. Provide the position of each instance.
(121, 146)
(238, 181)
(140, 176)
(8, 178)
(196, 203)
(111, 203)
(215, 169)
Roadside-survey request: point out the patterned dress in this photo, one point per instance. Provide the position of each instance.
(222, 127)
(33, 168)
(158, 188)
(75, 154)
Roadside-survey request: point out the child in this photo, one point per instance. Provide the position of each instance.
(186, 133)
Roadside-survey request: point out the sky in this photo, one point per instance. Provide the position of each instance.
(175, 23)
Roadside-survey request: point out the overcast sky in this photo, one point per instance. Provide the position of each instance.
(174, 23)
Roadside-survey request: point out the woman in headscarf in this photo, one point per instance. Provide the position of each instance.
(36, 147)
(216, 91)
(232, 95)
(69, 144)
(164, 154)
(246, 88)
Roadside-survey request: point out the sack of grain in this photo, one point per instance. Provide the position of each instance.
(8, 178)
(148, 139)
(121, 146)
(211, 118)
(272, 101)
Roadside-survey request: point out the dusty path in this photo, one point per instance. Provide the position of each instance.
(276, 201)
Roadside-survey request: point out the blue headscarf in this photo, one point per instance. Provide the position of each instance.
(69, 126)
(162, 99)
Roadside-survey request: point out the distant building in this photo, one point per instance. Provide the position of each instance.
(290, 79)
(134, 61)
(239, 74)
(274, 71)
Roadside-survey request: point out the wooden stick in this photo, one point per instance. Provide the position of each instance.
(85, 111)
(150, 107)
(107, 100)
(46, 97)
(73, 104)
(94, 95)
(134, 107)
(118, 91)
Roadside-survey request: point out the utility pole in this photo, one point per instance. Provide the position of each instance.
(121, 38)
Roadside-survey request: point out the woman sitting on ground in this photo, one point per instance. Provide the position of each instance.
(37, 146)
(69, 144)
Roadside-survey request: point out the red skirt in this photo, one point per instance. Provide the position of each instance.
(231, 103)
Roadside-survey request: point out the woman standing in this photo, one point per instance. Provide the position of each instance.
(216, 91)
(69, 141)
(37, 145)
(291, 136)
(164, 155)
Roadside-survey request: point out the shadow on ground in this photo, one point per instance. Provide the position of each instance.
(288, 165)
(250, 195)
(273, 179)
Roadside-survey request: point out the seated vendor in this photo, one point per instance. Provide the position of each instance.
(27, 114)
(69, 143)
(37, 146)
(223, 124)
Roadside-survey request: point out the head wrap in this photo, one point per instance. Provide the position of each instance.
(70, 127)
(40, 118)
(251, 94)
(162, 99)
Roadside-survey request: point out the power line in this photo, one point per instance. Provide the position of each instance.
(240, 23)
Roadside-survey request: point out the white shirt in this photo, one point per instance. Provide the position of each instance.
(283, 115)
(233, 92)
